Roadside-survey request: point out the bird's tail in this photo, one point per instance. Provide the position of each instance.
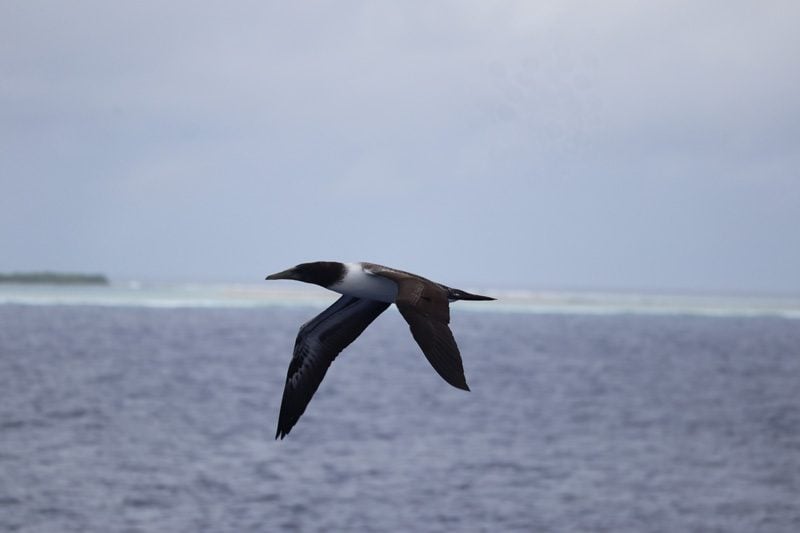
(457, 294)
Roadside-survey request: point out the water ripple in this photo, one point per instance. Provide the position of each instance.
(151, 419)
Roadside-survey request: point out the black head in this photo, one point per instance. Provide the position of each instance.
(323, 273)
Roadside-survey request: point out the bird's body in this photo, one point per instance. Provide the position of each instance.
(367, 290)
(361, 282)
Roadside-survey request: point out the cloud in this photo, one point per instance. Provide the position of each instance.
(617, 144)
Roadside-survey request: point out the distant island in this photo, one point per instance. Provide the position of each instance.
(53, 278)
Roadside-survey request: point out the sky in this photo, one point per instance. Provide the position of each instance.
(539, 145)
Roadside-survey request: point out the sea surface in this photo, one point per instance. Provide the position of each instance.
(157, 413)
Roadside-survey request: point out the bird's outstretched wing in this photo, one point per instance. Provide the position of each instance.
(425, 307)
(318, 343)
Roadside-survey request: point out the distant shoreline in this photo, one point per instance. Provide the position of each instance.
(53, 278)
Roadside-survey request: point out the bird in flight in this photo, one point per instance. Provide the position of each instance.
(367, 290)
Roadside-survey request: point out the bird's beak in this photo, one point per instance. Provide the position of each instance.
(286, 274)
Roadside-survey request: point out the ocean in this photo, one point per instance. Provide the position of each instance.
(146, 409)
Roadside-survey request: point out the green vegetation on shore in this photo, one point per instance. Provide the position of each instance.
(53, 278)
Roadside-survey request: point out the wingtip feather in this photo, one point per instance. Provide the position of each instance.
(461, 386)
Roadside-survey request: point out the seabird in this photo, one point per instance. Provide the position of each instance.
(367, 290)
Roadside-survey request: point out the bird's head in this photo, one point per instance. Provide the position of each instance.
(323, 273)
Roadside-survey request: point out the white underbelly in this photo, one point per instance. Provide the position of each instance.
(362, 285)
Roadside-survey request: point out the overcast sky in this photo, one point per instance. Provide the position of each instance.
(598, 145)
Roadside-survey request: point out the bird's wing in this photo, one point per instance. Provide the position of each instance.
(425, 307)
(318, 343)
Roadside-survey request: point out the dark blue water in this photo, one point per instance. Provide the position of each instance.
(133, 419)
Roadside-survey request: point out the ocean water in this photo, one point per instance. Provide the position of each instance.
(126, 417)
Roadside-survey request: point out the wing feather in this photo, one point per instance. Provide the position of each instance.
(425, 307)
(318, 343)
